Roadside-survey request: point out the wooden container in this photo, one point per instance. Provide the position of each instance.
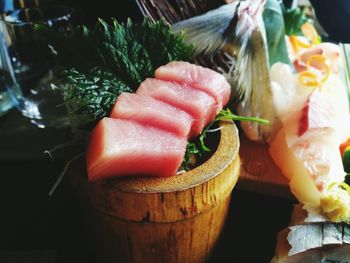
(174, 219)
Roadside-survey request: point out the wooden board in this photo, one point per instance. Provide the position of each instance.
(258, 171)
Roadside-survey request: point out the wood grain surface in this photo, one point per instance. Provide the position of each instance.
(258, 171)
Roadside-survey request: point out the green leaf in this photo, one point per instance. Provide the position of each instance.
(102, 62)
(199, 143)
(293, 19)
(275, 32)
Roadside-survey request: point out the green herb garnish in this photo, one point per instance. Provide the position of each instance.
(197, 146)
(293, 20)
(109, 59)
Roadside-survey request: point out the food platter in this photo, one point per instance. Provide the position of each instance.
(143, 157)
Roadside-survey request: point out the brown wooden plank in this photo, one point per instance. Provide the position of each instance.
(258, 171)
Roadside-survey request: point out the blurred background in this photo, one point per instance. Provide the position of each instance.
(333, 16)
(90, 10)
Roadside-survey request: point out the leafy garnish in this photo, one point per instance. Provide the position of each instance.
(191, 152)
(226, 114)
(294, 18)
(197, 146)
(109, 59)
(90, 96)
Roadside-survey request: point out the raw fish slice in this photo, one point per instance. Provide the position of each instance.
(317, 113)
(198, 77)
(283, 87)
(309, 143)
(150, 111)
(122, 147)
(197, 103)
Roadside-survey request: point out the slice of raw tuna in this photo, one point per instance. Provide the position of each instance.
(198, 77)
(150, 111)
(122, 147)
(197, 103)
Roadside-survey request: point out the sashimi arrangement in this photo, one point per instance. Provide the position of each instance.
(142, 113)
(148, 130)
(315, 122)
(313, 140)
(151, 109)
(295, 81)
(300, 91)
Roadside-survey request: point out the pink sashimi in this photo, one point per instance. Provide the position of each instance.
(197, 103)
(150, 111)
(198, 77)
(122, 147)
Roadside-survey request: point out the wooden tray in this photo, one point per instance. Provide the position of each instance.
(258, 171)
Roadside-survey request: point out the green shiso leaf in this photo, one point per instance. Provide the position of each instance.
(111, 58)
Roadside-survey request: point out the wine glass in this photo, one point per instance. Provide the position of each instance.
(33, 63)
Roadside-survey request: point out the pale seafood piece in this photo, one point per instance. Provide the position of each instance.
(150, 111)
(309, 143)
(283, 87)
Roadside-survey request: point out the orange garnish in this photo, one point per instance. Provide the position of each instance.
(343, 146)
(319, 62)
(308, 79)
(298, 43)
(310, 33)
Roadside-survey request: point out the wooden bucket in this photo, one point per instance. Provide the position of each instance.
(174, 219)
